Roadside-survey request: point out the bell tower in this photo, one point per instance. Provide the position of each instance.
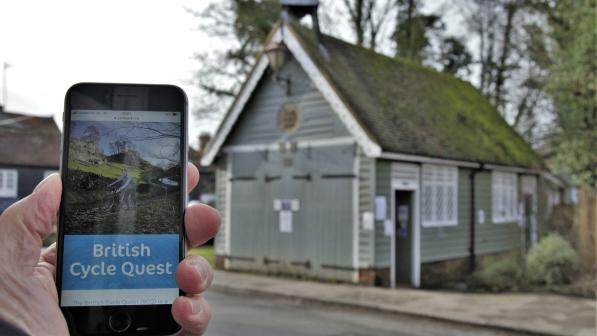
(298, 9)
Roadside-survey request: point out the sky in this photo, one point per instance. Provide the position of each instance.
(51, 45)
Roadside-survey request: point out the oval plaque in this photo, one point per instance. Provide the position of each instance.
(288, 118)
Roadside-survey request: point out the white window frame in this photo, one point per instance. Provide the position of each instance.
(438, 184)
(5, 190)
(504, 197)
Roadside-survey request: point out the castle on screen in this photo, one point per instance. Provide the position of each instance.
(120, 261)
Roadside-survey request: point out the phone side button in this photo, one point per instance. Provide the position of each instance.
(119, 321)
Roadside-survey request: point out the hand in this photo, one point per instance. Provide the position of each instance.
(28, 296)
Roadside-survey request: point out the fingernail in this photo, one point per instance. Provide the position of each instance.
(200, 267)
(195, 307)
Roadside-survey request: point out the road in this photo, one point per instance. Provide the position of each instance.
(252, 316)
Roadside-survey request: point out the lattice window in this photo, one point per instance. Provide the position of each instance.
(440, 195)
(505, 197)
(8, 182)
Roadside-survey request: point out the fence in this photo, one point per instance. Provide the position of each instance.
(584, 227)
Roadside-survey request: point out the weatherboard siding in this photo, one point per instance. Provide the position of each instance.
(258, 123)
(366, 247)
(492, 237)
(322, 228)
(448, 242)
(221, 179)
(452, 242)
(383, 187)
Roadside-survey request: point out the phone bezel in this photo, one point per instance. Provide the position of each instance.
(147, 314)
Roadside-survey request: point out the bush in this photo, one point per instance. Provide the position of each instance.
(551, 262)
(500, 275)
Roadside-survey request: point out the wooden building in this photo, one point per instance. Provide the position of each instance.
(341, 163)
(204, 192)
(29, 151)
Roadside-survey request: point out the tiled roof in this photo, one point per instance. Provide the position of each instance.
(29, 141)
(410, 109)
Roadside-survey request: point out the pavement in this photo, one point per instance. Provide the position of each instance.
(534, 314)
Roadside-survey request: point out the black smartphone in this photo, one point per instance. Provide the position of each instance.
(121, 232)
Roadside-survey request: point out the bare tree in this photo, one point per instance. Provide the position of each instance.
(367, 17)
(512, 60)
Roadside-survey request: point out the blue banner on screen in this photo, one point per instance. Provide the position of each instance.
(119, 269)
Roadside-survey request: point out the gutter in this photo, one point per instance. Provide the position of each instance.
(473, 224)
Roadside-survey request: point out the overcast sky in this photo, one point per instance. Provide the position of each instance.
(52, 45)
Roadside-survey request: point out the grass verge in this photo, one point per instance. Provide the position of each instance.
(206, 252)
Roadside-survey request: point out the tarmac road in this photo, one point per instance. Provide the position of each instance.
(252, 316)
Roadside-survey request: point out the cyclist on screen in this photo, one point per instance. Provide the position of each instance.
(126, 189)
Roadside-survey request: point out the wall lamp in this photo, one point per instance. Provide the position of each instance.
(277, 54)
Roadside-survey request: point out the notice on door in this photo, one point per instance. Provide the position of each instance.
(285, 221)
(403, 214)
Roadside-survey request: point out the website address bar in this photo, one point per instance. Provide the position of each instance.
(126, 116)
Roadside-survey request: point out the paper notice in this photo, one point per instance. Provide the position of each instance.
(368, 221)
(381, 208)
(286, 221)
(388, 227)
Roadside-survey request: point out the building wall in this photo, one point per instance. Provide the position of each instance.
(492, 237)
(28, 178)
(221, 196)
(450, 242)
(258, 123)
(320, 177)
(383, 187)
(367, 182)
(320, 244)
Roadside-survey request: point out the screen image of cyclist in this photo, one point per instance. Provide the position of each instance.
(122, 208)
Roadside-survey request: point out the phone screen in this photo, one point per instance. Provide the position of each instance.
(121, 208)
(121, 233)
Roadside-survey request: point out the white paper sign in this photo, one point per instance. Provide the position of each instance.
(368, 221)
(381, 207)
(295, 205)
(481, 215)
(286, 221)
(277, 204)
(388, 227)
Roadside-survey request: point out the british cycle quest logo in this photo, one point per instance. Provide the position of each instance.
(119, 261)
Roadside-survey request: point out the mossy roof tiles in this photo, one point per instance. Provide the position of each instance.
(410, 109)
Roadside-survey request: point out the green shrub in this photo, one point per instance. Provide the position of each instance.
(551, 262)
(499, 275)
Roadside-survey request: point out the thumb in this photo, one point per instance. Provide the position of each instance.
(35, 215)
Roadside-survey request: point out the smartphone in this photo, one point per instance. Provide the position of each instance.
(121, 233)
